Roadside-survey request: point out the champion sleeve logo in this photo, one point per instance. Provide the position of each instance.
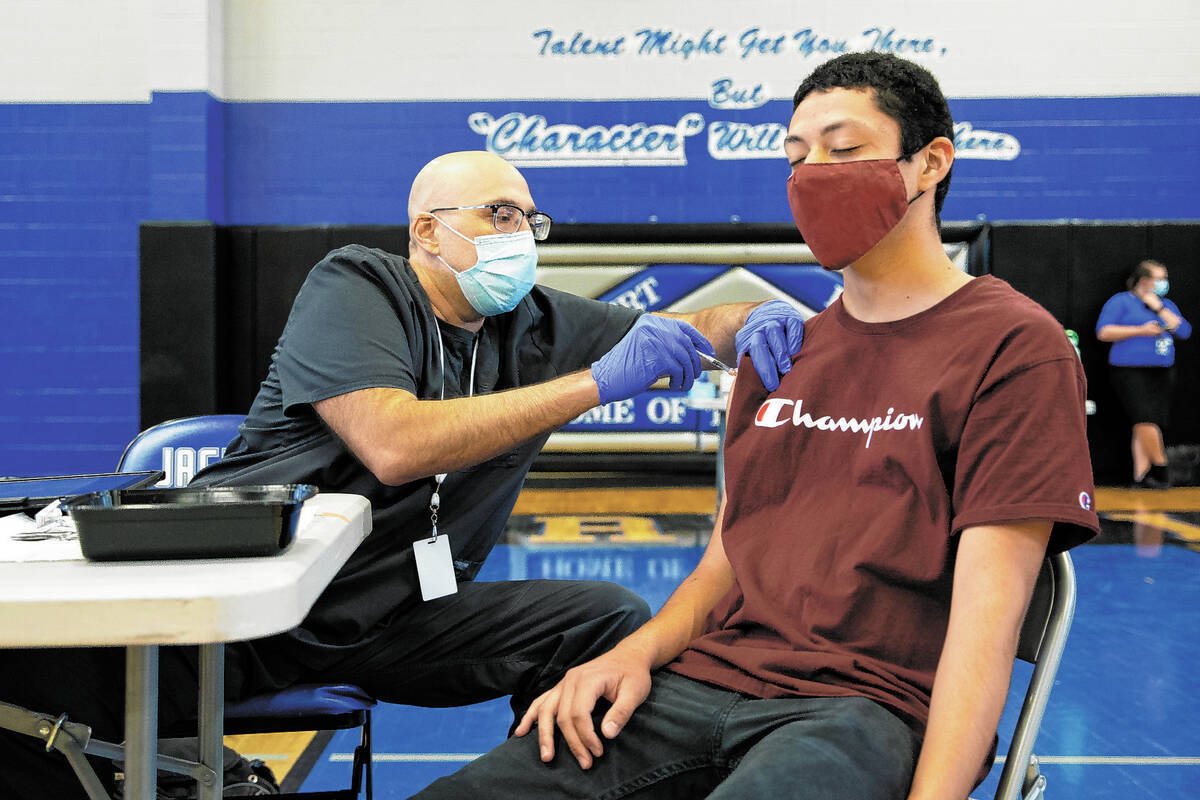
(771, 415)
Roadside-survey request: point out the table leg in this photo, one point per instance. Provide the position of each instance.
(211, 729)
(141, 721)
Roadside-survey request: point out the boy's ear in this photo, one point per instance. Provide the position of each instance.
(939, 157)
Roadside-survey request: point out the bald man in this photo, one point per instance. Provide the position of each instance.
(438, 376)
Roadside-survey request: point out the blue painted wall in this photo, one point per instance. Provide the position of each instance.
(76, 179)
(74, 184)
(1088, 158)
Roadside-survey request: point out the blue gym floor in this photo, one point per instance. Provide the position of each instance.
(1122, 720)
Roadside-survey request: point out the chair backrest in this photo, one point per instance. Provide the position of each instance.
(180, 447)
(1043, 639)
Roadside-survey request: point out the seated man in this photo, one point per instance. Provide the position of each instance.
(855, 616)
(427, 384)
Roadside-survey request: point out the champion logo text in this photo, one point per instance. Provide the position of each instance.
(773, 413)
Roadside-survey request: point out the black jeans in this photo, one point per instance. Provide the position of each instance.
(692, 740)
(486, 641)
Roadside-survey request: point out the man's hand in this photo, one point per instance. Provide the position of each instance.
(654, 347)
(772, 335)
(622, 676)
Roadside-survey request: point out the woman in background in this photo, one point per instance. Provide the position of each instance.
(1142, 325)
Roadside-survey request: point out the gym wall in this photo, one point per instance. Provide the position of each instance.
(306, 113)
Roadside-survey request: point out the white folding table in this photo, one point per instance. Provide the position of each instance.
(144, 604)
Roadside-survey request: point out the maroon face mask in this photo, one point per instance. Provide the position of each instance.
(844, 209)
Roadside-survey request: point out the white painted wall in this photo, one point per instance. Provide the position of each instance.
(465, 49)
(64, 50)
(121, 50)
(185, 46)
(109, 50)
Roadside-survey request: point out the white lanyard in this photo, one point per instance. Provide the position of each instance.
(436, 501)
(434, 561)
(442, 363)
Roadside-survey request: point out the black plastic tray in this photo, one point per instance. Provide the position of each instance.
(217, 522)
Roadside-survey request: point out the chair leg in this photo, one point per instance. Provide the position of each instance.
(1035, 781)
(370, 755)
(72, 739)
(362, 760)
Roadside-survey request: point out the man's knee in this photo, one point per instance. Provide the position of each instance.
(625, 608)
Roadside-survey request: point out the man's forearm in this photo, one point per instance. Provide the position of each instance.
(400, 438)
(681, 619)
(719, 324)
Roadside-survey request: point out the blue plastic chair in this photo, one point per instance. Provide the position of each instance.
(181, 448)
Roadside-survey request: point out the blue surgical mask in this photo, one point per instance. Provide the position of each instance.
(1161, 286)
(505, 267)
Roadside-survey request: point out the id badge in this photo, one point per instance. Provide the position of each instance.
(435, 567)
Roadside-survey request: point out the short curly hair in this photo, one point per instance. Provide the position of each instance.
(906, 92)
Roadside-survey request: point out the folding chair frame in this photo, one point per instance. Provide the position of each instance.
(1043, 639)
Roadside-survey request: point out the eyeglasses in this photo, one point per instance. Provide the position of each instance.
(507, 218)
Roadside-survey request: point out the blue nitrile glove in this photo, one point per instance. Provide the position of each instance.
(772, 335)
(654, 347)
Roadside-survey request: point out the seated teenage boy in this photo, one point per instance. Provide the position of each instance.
(850, 630)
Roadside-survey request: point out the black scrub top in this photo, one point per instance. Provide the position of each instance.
(362, 320)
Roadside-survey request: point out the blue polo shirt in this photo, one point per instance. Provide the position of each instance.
(1141, 351)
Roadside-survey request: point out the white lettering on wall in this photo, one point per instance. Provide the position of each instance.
(531, 141)
(616, 413)
(981, 144)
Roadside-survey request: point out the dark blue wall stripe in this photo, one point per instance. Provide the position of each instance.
(1094, 158)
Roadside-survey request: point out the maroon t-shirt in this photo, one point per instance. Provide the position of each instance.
(849, 484)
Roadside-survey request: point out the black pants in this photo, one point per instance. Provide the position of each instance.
(487, 641)
(1145, 393)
